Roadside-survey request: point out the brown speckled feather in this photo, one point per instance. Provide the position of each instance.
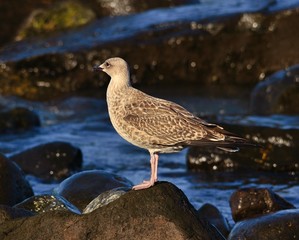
(170, 123)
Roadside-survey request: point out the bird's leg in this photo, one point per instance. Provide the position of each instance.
(154, 174)
(154, 167)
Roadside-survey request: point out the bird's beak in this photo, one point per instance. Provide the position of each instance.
(97, 68)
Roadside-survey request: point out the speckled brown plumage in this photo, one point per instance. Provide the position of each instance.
(155, 124)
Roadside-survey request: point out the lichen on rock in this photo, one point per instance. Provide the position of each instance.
(64, 15)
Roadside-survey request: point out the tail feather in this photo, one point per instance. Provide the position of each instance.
(231, 143)
(235, 149)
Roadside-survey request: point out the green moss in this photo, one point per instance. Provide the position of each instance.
(62, 16)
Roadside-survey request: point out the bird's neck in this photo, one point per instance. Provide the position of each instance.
(120, 81)
(118, 85)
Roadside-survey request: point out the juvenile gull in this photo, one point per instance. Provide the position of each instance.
(155, 124)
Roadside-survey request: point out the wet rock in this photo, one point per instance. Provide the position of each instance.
(212, 214)
(270, 157)
(46, 203)
(191, 44)
(252, 202)
(160, 212)
(9, 213)
(280, 225)
(105, 198)
(61, 16)
(278, 93)
(23, 10)
(14, 188)
(121, 7)
(54, 160)
(81, 188)
(18, 119)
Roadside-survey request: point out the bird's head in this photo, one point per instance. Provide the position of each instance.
(114, 67)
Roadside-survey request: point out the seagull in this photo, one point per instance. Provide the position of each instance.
(155, 124)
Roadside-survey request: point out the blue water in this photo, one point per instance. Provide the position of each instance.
(84, 122)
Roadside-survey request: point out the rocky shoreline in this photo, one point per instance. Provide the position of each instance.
(186, 49)
(161, 212)
(94, 204)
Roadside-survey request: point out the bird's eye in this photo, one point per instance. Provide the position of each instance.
(107, 65)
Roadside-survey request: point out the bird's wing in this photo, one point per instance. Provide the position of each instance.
(169, 123)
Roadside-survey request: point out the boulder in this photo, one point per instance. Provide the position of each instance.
(14, 187)
(252, 202)
(18, 119)
(279, 225)
(277, 94)
(160, 212)
(81, 188)
(54, 160)
(212, 214)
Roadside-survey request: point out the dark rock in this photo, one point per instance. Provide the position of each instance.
(46, 203)
(280, 225)
(191, 44)
(18, 119)
(160, 212)
(14, 188)
(81, 188)
(9, 213)
(252, 202)
(271, 156)
(54, 160)
(212, 214)
(105, 198)
(278, 93)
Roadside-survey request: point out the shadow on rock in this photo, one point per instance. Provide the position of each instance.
(212, 214)
(14, 187)
(9, 213)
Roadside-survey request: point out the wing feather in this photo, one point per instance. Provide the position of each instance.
(169, 122)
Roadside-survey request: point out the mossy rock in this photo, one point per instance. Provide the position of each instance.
(65, 15)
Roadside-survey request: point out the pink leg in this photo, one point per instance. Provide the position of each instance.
(154, 174)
